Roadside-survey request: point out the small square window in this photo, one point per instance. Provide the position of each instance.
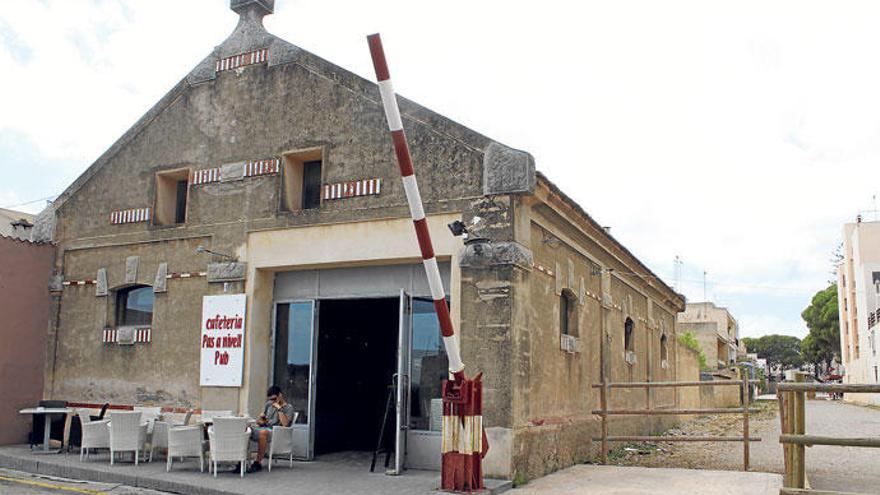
(134, 305)
(301, 179)
(172, 190)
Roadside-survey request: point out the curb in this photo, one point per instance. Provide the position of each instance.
(72, 472)
(35, 466)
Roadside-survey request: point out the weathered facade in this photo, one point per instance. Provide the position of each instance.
(279, 163)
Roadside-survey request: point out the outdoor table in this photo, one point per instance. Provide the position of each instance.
(210, 421)
(46, 412)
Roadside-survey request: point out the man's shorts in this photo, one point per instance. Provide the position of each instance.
(255, 432)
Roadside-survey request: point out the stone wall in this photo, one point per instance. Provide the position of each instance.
(553, 394)
(688, 371)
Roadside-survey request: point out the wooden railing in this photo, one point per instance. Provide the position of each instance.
(794, 440)
(603, 411)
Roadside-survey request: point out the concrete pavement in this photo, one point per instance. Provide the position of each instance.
(618, 480)
(346, 472)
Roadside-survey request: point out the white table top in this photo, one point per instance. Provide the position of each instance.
(210, 420)
(46, 410)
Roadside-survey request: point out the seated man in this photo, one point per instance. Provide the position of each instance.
(277, 412)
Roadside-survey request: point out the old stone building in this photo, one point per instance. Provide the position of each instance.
(268, 171)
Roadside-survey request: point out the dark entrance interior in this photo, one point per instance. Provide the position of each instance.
(357, 356)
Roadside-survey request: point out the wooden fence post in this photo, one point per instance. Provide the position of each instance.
(798, 451)
(744, 370)
(782, 399)
(603, 405)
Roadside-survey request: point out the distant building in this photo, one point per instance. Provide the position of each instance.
(25, 267)
(759, 362)
(858, 295)
(715, 329)
(16, 224)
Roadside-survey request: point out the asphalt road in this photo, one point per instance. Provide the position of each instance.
(20, 483)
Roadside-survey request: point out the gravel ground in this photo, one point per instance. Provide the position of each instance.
(828, 468)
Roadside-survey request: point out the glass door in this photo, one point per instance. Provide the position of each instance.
(294, 367)
(403, 381)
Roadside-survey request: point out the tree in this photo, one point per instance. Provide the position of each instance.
(778, 350)
(822, 344)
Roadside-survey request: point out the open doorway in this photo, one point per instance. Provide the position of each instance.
(357, 357)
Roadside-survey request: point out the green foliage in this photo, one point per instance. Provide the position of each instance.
(822, 344)
(688, 340)
(778, 350)
(759, 372)
(519, 479)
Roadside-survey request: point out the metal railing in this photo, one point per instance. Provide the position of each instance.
(603, 411)
(794, 440)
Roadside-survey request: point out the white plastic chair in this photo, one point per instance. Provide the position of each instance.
(229, 441)
(127, 434)
(282, 441)
(95, 434)
(159, 438)
(185, 441)
(210, 414)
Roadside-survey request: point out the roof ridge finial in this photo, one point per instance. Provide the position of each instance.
(260, 8)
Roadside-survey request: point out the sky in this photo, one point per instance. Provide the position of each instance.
(738, 136)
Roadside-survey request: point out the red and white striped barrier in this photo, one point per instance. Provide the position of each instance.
(350, 189)
(131, 215)
(464, 442)
(87, 281)
(462, 398)
(236, 61)
(411, 187)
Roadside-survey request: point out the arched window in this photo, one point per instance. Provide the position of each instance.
(628, 337)
(664, 349)
(134, 305)
(568, 324)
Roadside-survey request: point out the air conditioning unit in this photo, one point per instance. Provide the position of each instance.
(125, 335)
(569, 344)
(630, 357)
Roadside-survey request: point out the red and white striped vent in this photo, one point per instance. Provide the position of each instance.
(206, 175)
(352, 188)
(248, 58)
(87, 281)
(131, 215)
(142, 335)
(262, 167)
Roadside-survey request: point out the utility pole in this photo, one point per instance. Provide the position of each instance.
(677, 273)
(704, 287)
